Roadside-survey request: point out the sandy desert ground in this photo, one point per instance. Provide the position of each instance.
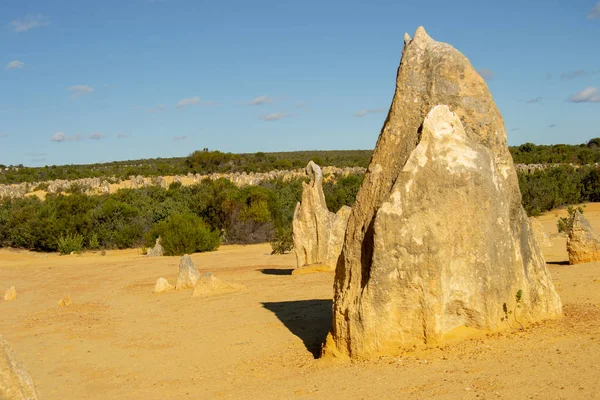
(119, 341)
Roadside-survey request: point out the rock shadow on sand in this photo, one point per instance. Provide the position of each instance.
(310, 320)
(276, 271)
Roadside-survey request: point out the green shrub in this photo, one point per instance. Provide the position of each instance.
(94, 243)
(565, 224)
(185, 234)
(70, 243)
(282, 242)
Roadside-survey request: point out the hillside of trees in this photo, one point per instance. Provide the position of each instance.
(205, 162)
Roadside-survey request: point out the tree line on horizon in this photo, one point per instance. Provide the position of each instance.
(206, 162)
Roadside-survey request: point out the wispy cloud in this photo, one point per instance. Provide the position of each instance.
(60, 137)
(29, 21)
(257, 101)
(97, 136)
(41, 159)
(156, 109)
(3, 135)
(16, 64)
(552, 126)
(514, 129)
(188, 102)
(123, 136)
(548, 76)
(80, 90)
(180, 138)
(578, 74)
(486, 73)
(37, 154)
(534, 100)
(587, 95)
(275, 116)
(594, 12)
(366, 111)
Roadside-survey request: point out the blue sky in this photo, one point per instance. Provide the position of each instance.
(86, 81)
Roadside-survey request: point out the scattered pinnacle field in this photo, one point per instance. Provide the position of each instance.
(119, 341)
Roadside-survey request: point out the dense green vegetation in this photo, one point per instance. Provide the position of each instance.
(579, 154)
(200, 217)
(188, 218)
(559, 186)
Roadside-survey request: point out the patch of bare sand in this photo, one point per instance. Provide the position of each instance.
(118, 340)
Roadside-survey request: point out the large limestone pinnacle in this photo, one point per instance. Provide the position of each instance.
(437, 241)
(318, 233)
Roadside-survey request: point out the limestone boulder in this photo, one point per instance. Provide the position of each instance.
(317, 233)
(583, 244)
(208, 285)
(437, 241)
(157, 250)
(15, 382)
(188, 274)
(538, 231)
(10, 293)
(162, 285)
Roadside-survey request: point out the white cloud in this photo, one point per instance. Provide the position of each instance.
(97, 136)
(79, 90)
(257, 101)
(123, 136)
(486, 73)
(29, 21)
(60, 137)
(179, 138)
(188, 102)
(594, 12)
(274, 116)
(535, 100)
(156, 109)
(587, 95)
(364, 112)
(16, 64)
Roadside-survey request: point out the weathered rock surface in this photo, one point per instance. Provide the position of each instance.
(10, 293)
(188, 274)
(538, 230)
(318, 234)
(583, 244)
(162, 285)
(15, 381)
(437, 241)
(157, 250)
(209, 285)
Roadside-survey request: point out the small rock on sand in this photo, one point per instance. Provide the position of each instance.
(65, 301)
(162, 285)
(10, 293)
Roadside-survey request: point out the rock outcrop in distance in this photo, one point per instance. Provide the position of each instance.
(583, 244)
(15, 381)
(317, 233)
(437, 242)
(188, 274)
(157, 250)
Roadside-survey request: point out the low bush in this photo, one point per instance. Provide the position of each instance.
(70, 243)
(185, 234)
